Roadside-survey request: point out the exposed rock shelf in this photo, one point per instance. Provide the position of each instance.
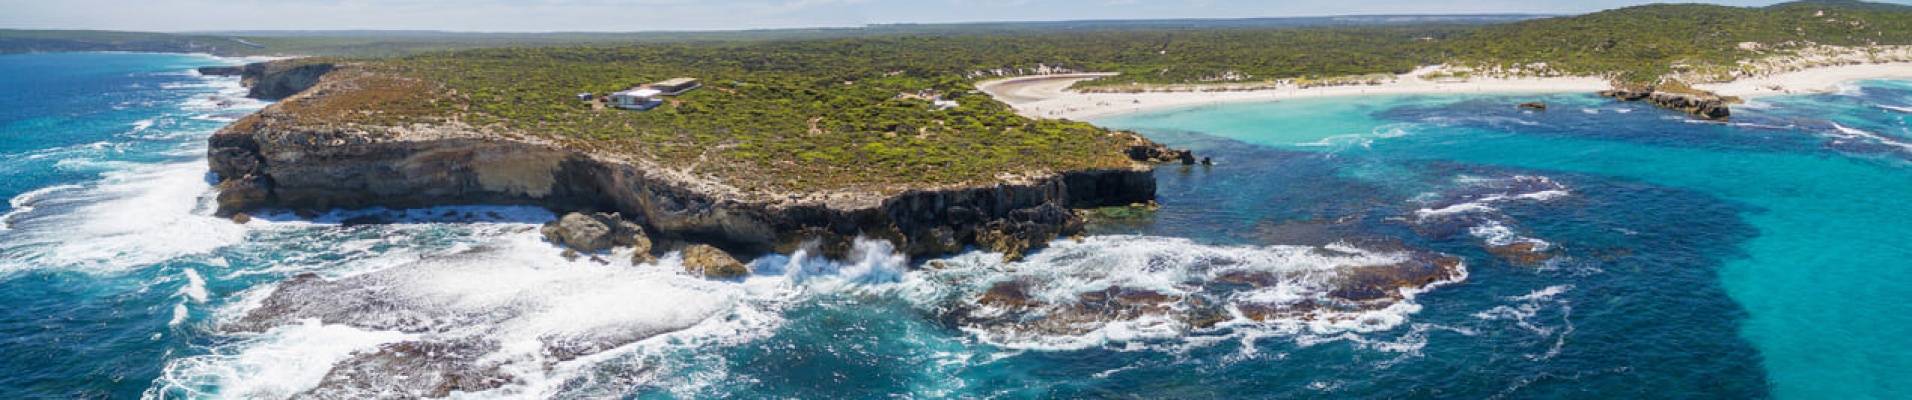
(268, 160)
(1706, 106)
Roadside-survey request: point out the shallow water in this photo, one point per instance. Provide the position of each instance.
(1814, 185)
(1659, 258)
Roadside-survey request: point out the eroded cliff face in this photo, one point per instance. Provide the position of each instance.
(278, 80)
(273, 160)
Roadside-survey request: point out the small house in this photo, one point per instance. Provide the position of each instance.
(636, 99)
(676, 86)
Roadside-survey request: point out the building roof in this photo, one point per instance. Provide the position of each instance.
(676, 82)
(646, 92)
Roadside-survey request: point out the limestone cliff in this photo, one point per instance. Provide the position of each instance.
(274, 80)
(274, 160)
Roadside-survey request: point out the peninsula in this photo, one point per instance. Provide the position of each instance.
(937, 143)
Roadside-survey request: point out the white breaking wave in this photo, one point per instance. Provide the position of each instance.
(1498, 234)
(1525, 315)
(1474, 205)
(1848, 89)
(136, 215)
(1179, 269)
(1901, 110)
(1364, 140)
(24, 203)
(549, 320)
(193, 292)
(1853, 133)
(277, 364)
(134, 218)
(1503, 190)
(1485, 120)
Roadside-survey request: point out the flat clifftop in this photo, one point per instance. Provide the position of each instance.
(375, 133)
(762, 133)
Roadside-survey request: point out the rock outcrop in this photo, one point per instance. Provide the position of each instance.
(1706, 106)
(1532, 105)
(713, 263)
(596, 232)
(1013, 308)
(223, 71)
(273, 160)
(277, 79)
(1141, 149)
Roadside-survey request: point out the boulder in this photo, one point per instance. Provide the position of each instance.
(642, 253)
(579, 232)
(597, 232)
(713, 263)
(1533, 105)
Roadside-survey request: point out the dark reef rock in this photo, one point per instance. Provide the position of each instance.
(1533, 105)
(1143, 150)
(461, 339)
(272, 160)
(222, 71)
(415, 370)
(1705, 106)
(1522, 253)
(1018, 307)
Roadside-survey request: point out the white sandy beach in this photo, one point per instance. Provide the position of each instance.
(1813, 80)
(1048, 96)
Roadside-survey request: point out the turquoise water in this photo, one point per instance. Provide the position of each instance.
(1822, 280)
(1673, 259)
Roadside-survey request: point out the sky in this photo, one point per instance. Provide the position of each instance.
(656, 15)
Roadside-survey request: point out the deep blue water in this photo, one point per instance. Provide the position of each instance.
(1761, 258)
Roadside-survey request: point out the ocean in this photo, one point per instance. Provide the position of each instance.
(1595, 250)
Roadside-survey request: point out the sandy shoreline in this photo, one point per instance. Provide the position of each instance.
(1048, 96)
(1814, 80)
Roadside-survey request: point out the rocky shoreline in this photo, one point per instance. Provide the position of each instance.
(268, 160)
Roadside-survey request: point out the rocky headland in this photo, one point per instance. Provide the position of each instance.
(280, 158)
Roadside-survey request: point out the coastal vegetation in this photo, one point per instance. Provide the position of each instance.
(791, 116)
(1642, 44)
(816, 109)
(1631, 45)
(855, 112)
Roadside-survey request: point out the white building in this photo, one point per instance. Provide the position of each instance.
(637, 99)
